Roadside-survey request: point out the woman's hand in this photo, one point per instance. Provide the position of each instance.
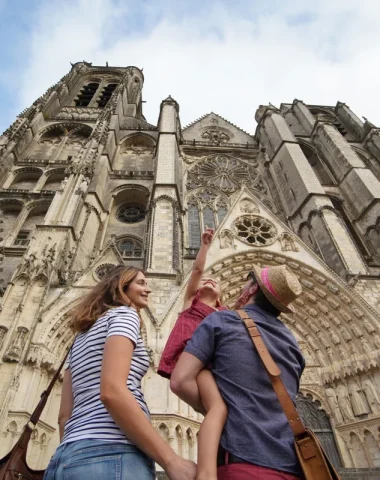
(181, 469)
(207, 236)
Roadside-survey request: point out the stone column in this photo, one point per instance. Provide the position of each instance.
(166, 201)
(350, 120)
(302, 195)
(358, 185)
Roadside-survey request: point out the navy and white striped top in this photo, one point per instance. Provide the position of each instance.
(89, 418)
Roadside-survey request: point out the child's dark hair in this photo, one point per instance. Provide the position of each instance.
(261, 300)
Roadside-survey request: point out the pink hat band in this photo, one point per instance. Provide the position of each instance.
(266, 282)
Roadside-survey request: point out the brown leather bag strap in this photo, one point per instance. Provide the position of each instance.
(45, 394)
(274, 373)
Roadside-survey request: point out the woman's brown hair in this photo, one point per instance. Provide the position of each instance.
(109, 293)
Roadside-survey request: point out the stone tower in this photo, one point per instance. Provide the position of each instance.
(87, 183)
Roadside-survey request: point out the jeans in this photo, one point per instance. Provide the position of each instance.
(98, 460)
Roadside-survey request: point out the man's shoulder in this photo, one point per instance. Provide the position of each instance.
(221, 316)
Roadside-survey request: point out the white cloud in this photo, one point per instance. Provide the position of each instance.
(230, 59)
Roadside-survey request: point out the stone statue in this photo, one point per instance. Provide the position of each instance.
(287, 243)
(371, 394)
(64, 183)
(333, 404)
(344, 402)
(226, 239)
(247, 206)
(358, 404)
(83, 186)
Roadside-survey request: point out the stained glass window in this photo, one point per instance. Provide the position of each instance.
(194, 227)
(208, 218)
(129, 247)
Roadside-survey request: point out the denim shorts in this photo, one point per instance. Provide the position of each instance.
(98, 460)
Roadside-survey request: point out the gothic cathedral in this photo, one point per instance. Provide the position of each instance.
(87, 183)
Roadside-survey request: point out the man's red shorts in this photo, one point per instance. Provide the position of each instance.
(245, 471)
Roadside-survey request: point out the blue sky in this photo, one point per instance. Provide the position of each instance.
(227, 56)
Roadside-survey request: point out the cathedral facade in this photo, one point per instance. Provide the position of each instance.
(86, 183)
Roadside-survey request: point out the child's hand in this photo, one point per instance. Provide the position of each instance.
(207, 236)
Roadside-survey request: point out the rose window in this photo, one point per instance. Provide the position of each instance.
(254, 230)
(225, 173)
(103, 270)
(130, 213)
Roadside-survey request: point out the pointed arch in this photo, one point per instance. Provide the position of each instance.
(319, 167)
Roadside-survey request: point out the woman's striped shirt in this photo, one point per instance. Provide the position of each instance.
(89, 418)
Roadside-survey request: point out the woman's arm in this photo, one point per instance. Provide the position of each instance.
(128, 414)
(67, 402)
(198, 267)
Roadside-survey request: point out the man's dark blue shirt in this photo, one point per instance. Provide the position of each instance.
(256, 429)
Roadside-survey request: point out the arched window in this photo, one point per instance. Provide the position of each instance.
(86, 94)
(338, 205)
(130, 248)
(53, 181)
(369, 162)
(194, 227)
(212, 213)
(320, 169)
(325, 115)
(36, 217)
(136, 153)
(208, 217)
(106, 95)
(26, 179)
(222, 212)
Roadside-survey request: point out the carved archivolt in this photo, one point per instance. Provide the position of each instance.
(340, 331)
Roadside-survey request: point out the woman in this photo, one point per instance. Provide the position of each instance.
(104, 422)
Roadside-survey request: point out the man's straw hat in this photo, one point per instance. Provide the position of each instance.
(279, 285)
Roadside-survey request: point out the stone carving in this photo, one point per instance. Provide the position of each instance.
(226, 238)
(3, 332)
(14, 351)
(358, 403)
(371, 394)
(344, 402)
(370, 328)
(333, 404)
(247, 206)
(254, 230)
(79, 113)
(288, 243)
(82, 189)
(215, 136)
(130, 213)
(64, 183)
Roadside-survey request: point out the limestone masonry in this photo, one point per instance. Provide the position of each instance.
(87, 183)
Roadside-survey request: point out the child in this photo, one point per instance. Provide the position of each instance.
(202, 297)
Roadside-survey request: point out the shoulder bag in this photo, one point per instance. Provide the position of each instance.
(313, 460)
(13, 466)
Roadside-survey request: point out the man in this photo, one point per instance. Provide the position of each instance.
(257, 441)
